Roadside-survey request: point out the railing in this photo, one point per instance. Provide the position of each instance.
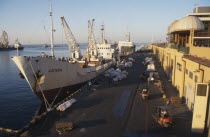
(160, 44)
(180, 48)
(176, 46)
(202, 34)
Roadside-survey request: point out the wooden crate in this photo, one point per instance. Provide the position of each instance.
(176, 100)
(63, 126)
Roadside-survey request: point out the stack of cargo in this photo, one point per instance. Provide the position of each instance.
(66, 105)
(152, 74)
(116, 75)
(125, 64)
(150, 64)
(131, 59)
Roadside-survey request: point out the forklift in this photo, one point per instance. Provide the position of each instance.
(145, 94)
(162, 117)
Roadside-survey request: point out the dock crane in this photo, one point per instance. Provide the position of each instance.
(4, 42)
(74, 49)
(92, 48)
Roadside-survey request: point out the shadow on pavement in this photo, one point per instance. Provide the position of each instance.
(90, 123)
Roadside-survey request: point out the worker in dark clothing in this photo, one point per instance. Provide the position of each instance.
(89, 85)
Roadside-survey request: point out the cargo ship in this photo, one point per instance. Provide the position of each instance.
(50, 77)
(126, 47)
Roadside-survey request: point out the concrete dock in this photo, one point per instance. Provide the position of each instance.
(117, 110)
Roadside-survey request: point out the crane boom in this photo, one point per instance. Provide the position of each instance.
(72, 44)
(92, 49)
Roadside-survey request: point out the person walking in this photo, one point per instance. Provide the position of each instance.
(89, 85)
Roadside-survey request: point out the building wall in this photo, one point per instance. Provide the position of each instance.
(200, 51)
(191, 77)
(175, 67)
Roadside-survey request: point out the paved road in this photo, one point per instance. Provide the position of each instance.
(114, 111)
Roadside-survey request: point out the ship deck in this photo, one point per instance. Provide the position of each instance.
(117, 110)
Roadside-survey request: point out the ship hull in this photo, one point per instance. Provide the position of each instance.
(46, 77)
(58, 93)
(11, 48)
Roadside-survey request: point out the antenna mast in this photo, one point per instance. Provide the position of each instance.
(129, 38)
(102, 33)
(51, 31)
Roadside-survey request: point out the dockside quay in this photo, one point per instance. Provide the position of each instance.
(185, 57)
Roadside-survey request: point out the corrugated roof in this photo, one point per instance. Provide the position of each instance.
(199, 60)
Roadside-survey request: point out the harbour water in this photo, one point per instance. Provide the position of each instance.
(18, 104)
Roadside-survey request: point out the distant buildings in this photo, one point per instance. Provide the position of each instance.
(186, 60)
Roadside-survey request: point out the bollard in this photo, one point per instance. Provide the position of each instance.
(33, 121)
(52, 109)
(45, 113)
(164, 95)
(27, 126)
(55, 106)
(37, 117)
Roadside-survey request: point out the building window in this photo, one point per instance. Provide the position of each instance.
(108, 54)
(172, 64)
(179, 66)
(201, 90)
(186, 71)
(196, 78)
(191, 75)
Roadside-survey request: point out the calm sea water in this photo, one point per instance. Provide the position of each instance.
(18, 104)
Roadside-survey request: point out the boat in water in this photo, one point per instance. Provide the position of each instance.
(51, 78)
(18, 45)
(4, 43)
(126, 47)
(46, 46)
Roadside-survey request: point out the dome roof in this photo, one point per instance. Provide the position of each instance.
(186, 23)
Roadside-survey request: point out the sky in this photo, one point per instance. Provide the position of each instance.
(28, 20)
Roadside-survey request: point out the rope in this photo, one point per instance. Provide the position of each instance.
(56, 95)
(45, 100)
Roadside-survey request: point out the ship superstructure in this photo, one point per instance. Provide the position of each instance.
(126, 47)
(105, 50)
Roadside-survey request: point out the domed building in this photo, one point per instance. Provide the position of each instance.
(183, 31)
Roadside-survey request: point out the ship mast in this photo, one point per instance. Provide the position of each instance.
(102, 33)
(129, 38)
(51, 31)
